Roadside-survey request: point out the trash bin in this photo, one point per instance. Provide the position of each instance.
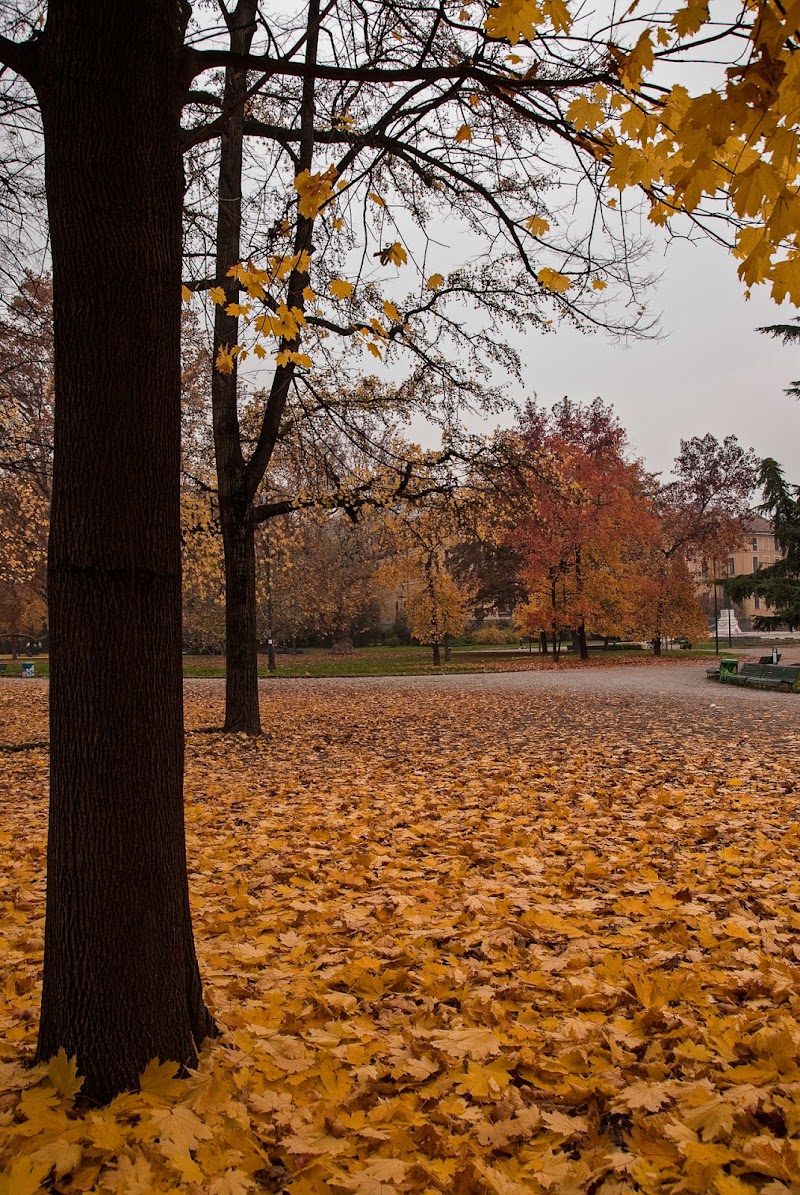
(28, 668)
(728, 668)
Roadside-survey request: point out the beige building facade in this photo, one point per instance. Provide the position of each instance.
(758, 550)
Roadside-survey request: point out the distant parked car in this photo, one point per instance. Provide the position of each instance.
(683, 643)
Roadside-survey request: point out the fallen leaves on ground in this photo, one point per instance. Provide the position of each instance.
(502, 943)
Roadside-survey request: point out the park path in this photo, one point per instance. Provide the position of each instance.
(667, 681)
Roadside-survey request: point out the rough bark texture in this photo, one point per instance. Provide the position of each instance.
(241, 635)
(121, 982)
(437, 657)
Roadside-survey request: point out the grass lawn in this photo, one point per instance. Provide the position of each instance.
(416, 661)
(408, 661)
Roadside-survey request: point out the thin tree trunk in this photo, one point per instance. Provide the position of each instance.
(121, 981)
(543, 642)
(579, 638)
(437, 659)
(241, 633)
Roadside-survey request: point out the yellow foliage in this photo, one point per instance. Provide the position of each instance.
(341, 289)
(510, 941)
(552, 280)
(314, 190)
(514, 20)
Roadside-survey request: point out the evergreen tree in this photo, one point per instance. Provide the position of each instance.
(777, 584)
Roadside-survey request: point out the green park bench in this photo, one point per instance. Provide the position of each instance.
(785, 677)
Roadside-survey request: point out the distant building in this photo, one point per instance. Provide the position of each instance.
(758, 550)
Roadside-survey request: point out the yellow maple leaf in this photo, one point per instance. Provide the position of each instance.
(598, 284)
(585, 113)
(435, 282)
(224, 364)
(313, 1141)
(238, 309)
(391, 312)
(689, 20)
(553, 281)
(513, 20)
(395, 254)
(375, 197)
(217, 295)
(340, 289)
(25, 1176)
(376, 352)
(287, 356)
(158, 1078)
(464, 134)
(558, 14)
(749, 189)
(314, 190)
(379, 1177)
(467, 1043)
(638, 61)
(186, 293)
(63, 1074)
(537, 226)
(179, 1126)
(60, 1156)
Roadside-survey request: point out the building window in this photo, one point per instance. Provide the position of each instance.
(755, 544)
(757, 600)
(731, 567)
(755, 564)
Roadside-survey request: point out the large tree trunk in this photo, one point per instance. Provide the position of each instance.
(579, 641)
(241, 635)
(121, 981)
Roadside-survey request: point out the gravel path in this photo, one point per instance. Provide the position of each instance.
(664, 682)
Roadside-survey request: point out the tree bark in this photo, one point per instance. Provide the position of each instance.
(241, 633)
(579, 640)
(437, 659)
(121, 981)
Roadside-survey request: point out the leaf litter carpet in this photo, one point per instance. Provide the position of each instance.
(479, 942)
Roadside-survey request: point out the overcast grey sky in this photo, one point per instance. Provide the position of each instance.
(711, 371)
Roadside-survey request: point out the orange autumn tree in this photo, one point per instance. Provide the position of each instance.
(585, 526)
(701, 512)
